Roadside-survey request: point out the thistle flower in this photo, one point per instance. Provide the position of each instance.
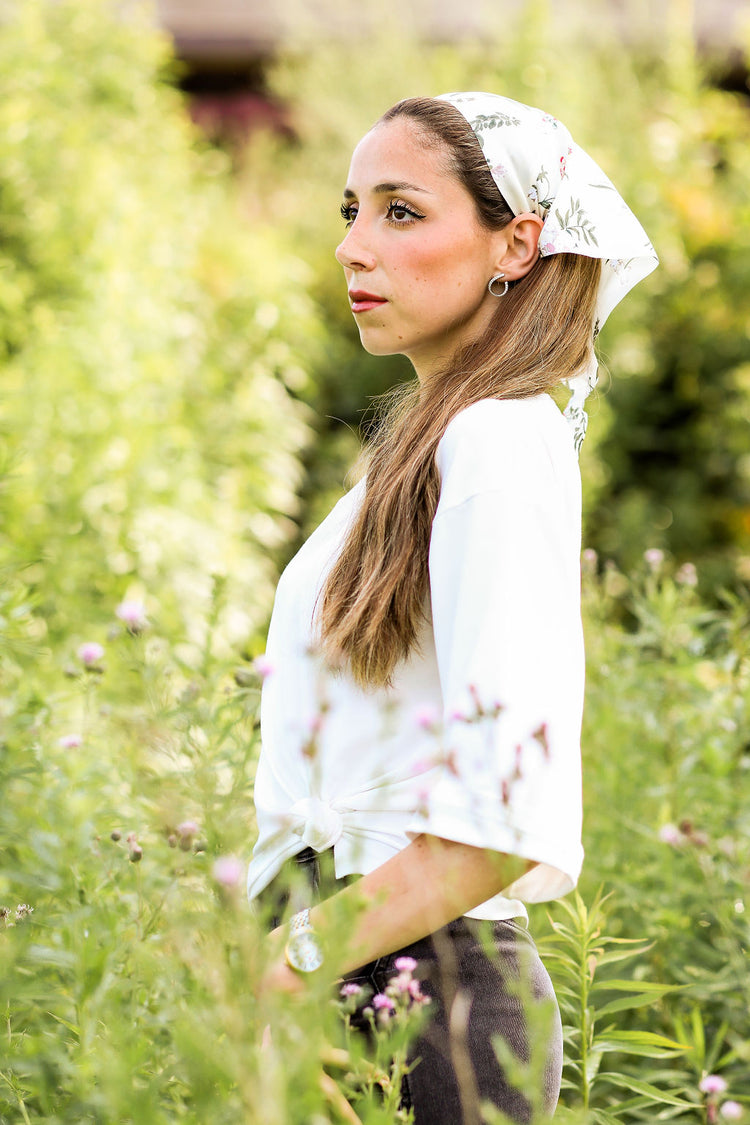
(654, 557)
(133, 614)
(589, 561)
(227, 871)
(70, 741)
(405, 964)
(350, 989)
(263, 666)
(712, 1084)
(731, 1111)
(427, 719)
(90, 653)
(187, 831)
(687, 575)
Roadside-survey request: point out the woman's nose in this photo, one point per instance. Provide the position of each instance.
(352, 254)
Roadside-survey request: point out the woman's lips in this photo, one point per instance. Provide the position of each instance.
(363, 302)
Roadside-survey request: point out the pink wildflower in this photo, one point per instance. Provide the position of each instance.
(70, 741)
(712, 1084)
(731, 1111)
(383, 1003)
(263, 666)
(133, 614)
(670, 834)
(589, 561)
(227, 871)
(350, 989)
(415, 991)
(90, 653)
(654, 557)
(187, 831)
(405, 964)
(687, 575)
(427, 718)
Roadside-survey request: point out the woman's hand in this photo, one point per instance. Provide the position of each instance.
(278, 977)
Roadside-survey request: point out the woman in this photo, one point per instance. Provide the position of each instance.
(421, 719)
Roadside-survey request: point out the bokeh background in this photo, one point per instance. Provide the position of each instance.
(181, 396)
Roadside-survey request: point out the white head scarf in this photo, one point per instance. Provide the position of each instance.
(539, 168)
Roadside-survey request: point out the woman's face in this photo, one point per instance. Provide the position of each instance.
(416, 259)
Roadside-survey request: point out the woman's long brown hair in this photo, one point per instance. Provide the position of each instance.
(373, 602)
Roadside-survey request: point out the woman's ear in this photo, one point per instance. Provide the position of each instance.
(519, 249)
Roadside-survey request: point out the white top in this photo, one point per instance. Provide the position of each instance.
(366, 771)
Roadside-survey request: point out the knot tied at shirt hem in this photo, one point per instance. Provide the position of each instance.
(317, 822)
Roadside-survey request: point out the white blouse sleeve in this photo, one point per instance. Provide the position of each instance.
(505, 593)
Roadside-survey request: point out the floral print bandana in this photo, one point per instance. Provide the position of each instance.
(539, 168)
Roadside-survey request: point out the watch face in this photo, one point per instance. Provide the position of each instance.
(303, 952)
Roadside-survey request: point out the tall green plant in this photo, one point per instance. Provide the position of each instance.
(579, 952)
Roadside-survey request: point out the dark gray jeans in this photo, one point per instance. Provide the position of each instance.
(486, 982)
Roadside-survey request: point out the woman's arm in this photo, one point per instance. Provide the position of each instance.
(421, 888)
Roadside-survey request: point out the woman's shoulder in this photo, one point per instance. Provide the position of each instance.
(513, 434)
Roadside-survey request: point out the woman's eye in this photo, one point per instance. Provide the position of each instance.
(348, 213)
(402, 215)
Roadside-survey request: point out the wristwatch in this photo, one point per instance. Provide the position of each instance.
(303, 952)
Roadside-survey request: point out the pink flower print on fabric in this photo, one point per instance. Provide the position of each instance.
(582, 211)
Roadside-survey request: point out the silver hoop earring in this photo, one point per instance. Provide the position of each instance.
(497, 277)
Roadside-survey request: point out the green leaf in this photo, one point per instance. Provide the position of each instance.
(661, 1097)
(633, 986)
(628, 1040)
(627, 1003)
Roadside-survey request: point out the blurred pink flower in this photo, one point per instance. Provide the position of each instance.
(712, 1084)
(731, 1111)
(263, 666)
(427, 718)
(187, 831)
(228, 871)
(132, 614)
(90, 653)
(381, 1002)
(589, 560)
(70, 741)
(405, 964)
(670, 834)
(687, 575)
(350, 989)
(654, 557)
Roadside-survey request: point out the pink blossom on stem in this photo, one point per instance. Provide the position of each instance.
(350, 989)
(133, 614)
(263, 666)
(589, 561)
(227, 871)
(654, 557)
(427, 718)
(687, 575)
(405, 964)
(670, 834)
(712, 1084)
(70, 741)
(383, 1003)
(731, 1111)
(90, 653)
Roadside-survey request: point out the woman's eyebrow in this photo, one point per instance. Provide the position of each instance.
(386, 188)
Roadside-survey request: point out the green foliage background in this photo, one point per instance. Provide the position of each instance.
(173, 341)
